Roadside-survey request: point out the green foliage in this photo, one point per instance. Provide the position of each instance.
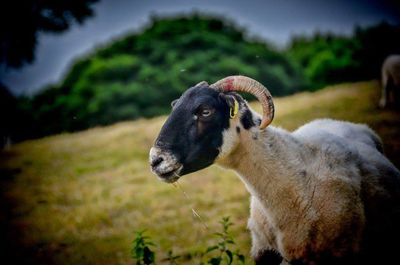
(219, 253)
(141, 252)
(140, 74)
(222, 253)
(328, 59)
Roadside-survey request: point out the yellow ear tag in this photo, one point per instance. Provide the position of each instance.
(233, 111)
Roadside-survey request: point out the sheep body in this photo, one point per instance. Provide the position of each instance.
(323, 194)
(314, 191)
(390, 81)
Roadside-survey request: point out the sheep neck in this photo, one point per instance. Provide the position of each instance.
(272, 164)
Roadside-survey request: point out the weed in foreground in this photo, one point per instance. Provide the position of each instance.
(220, 253)
(141, 252)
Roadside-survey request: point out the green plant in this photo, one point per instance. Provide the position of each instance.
(223, 253)
(218, 254)
(141, 251)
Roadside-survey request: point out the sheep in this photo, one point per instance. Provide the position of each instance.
(390, 82)
(323, 194)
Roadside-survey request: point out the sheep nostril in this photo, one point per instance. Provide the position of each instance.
(156, 161)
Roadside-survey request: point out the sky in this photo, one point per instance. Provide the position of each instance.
(273, 20)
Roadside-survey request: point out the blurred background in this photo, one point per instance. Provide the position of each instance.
(85, 85)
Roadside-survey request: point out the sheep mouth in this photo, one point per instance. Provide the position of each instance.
(170, 176)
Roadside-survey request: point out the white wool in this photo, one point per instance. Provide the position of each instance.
(308, 188)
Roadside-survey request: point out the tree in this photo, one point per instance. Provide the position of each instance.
(21, 21)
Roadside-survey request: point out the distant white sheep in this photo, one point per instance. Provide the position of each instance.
(390, 82)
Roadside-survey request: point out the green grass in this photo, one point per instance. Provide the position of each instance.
(78, 198)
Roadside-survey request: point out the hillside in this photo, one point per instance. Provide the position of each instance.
(77, 198)
(139, 74)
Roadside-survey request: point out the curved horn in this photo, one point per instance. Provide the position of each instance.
(246, 84)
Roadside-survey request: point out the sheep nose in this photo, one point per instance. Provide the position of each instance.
(156, 161)
(157, 157)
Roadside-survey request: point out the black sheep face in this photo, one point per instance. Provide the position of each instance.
(192, 136)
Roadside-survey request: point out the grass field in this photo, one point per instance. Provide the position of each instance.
(78, 198)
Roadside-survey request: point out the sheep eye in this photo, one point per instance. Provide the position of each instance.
(206, 112)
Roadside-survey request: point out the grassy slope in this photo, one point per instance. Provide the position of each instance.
(78, 198)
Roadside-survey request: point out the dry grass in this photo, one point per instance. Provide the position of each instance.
(77, 198)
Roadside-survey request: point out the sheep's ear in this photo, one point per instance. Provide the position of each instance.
(229, 99)
(202, 83)
(232, 102)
